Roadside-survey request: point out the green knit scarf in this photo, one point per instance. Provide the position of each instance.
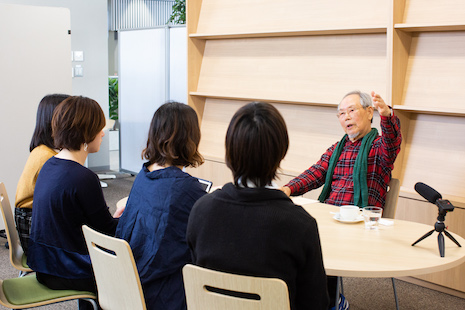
(360, 169)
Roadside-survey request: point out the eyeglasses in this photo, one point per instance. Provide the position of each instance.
(349, 111)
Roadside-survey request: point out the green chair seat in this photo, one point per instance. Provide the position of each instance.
(27, 290)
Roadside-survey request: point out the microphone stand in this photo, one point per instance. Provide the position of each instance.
(440, 227)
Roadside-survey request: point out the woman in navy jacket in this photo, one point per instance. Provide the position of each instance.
(155, 219)
(68, 195)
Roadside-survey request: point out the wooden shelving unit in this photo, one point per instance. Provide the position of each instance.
(303, 56)
(428, 27)
(289, 33)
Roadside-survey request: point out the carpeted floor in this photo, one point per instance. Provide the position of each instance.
(362, 293)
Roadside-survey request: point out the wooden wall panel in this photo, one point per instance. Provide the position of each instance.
(432, 12)
(435, 70)
(215, 122)
(431, 139)
(301, 69)
(219, 174)
(311, 131)
(245, 16)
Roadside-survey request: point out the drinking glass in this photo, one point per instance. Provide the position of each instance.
(371, 216)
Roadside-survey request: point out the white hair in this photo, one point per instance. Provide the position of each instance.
(365, 99)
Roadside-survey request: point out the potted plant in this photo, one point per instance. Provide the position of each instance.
(113, 99)
(178, 16)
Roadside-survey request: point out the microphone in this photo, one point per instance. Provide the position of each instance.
(427, 192)
(433, 196)
(444, 206)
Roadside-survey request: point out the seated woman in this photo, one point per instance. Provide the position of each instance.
(155, 219)
(41, 148)
(251, 227)
(68, 195)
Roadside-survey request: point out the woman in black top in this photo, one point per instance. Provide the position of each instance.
(251, 227)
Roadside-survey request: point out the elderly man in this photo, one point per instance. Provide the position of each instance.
(357, 169)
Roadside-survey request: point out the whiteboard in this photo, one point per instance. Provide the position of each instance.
(152, 70)
(35, 60)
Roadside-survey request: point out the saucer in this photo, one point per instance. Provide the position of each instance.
(358, 219)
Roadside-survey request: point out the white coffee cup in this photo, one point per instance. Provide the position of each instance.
(349, 213)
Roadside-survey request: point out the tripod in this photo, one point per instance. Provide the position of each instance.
(440, 227)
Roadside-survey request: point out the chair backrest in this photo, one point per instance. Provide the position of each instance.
(209, 289)
(122, 202)
(392, 195)
(115, 271)
(16, 251)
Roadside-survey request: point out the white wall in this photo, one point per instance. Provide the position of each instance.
(89, 28)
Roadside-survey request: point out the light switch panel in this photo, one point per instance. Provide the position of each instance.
(78, 56)
(78, 71)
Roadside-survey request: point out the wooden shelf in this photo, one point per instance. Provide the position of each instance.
(413, 109)
(430, 27)
(434, 111)
(213, 158)
(270, 100)
(288, 33)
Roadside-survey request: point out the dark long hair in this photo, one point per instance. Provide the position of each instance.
(43, 131)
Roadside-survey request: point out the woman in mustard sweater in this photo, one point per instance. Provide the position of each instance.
(41, 148)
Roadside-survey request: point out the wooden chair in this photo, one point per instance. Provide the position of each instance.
(115, 271)
(389, 211)
(390, 206)
(27, 292)
(208, 289)
(122, 202)
(17, 256)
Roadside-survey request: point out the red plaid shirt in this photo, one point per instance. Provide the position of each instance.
(381, 159)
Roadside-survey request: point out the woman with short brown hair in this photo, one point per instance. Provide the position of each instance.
(68, 195)
(77, 123)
